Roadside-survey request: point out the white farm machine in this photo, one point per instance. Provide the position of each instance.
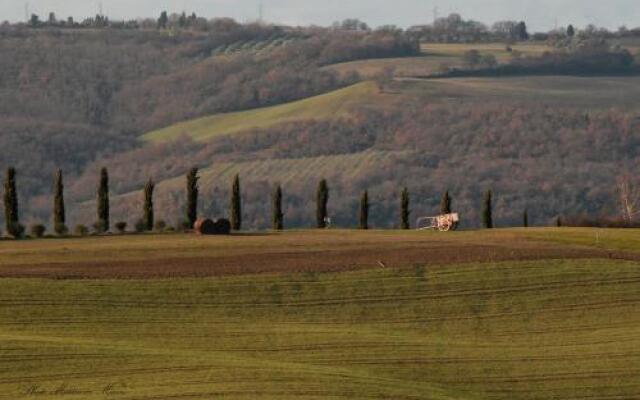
(442, 223)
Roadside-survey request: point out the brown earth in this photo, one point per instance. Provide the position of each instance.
(309, 255)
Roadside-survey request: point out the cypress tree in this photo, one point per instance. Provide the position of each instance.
(322, 198)
(59, 215)
(277, 217)
(148, 216)
(487, 210)
(192, 196)
(103, 201)
(11, 204)
(236, 205)
(445, 203)
(525, 218)
(364, 210)
(404, 209)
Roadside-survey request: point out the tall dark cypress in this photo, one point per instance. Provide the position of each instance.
(148, 216)
(404, 209)
(322, 198)
(445, 203)
(103, 201)
(487, 210)
(525, 218)
(192, 196)
(364, 210)
(236, 205)
(59, 215)
(277, 217)
(11, 203)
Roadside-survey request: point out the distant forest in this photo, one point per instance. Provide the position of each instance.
(77, 95)
(72, 96)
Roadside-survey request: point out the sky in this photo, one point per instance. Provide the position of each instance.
(539, 14)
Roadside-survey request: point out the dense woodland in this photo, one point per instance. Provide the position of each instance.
(77, 96)
(70, 96)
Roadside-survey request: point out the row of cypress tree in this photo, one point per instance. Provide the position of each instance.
(192, 189)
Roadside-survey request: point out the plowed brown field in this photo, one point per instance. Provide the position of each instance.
(183, 255)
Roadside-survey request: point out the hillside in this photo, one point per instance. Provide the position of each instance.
(298, 177)
(334, 104)
(72, 96)
(520, 328)
(269, 101)
(550, 144)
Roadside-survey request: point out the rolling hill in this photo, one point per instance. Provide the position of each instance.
(461, 140)
(172, 316)
(330, 105)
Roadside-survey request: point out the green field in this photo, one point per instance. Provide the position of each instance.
(528, 329)
(434, 55)
(334, 104)
(499, 50)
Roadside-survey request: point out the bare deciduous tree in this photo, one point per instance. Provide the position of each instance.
(628, 191)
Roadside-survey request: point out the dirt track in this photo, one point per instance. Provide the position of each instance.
(323, 257)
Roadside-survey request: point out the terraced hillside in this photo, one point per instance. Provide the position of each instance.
(297, 176)
(529, 329)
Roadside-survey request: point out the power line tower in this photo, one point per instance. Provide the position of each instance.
(27, 16)
(435, 14)
(261, 12)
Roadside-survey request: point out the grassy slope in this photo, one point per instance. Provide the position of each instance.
(434, 55)
(499, 50)
(520, 330)
(609, 239)
(330, 105)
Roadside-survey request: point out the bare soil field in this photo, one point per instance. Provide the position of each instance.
(185, 255)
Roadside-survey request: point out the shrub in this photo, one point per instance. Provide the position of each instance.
(81, 230)
(17, 230)
(100, 226)
(186, 225)
(140, 226)
(61, 229)
(160, 226)
(121, 227)
(38, 230)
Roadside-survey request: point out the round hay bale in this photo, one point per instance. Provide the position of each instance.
(204, 226)
(222, 227)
